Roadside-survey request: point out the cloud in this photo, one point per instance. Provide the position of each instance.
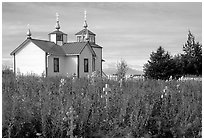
(125, 30)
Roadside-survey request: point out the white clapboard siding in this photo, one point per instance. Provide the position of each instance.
(30, 59)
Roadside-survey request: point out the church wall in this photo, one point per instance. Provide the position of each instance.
(67, 65)
(51, 65)
(98, 52)
(70, 65)
(65, 38)
(53, 38)
(86, 53)
(30, 59)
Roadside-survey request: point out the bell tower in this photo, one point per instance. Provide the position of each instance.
(58, 36)
(85, 35)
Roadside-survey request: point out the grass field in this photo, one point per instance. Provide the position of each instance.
(62, 107)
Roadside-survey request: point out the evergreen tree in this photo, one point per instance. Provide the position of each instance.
(178, 66)
(160, 65)
(192, 57)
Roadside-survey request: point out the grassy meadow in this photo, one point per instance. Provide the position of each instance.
(59, 107)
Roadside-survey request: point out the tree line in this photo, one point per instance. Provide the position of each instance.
(163, 66)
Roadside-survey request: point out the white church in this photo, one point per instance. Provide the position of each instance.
(57, 56)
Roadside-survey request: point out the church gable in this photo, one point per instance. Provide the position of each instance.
(46, 46)
(29, 48)
(76, 48)
(20, 46)
(30, 59)
(90, 49)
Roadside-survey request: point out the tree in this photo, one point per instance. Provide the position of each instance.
(178, 66)
(192, 57)
(122, 68)
(160, 65)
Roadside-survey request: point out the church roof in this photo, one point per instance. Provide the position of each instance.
(57, 32)
(95, 45)
(47, 46)
(74, 48)
(84, 32)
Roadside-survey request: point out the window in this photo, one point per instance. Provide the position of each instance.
(91, 39)
(56, 64)
(59, 37)
(83, 38)
(93, 65)
(78, 38)
(86, 65)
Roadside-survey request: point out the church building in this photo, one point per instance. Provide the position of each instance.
(57, 56)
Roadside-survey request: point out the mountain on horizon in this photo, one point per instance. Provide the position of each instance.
(131, 71)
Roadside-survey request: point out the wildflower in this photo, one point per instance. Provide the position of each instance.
(170, 78)
(64, 118)
(38, 134)
(200, 134)
(165, 89)
(177, 86)
(181, 78)
(62, 82)
(40, 80)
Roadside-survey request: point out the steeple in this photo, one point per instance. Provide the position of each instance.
(58, 36)
(28, 32)
(85, 35)
(57, 23)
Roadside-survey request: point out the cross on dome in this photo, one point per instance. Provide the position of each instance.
(85, 23)
(57, 24)
(57, 16)
(85, 15)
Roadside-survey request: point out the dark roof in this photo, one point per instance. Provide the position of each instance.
(95, 45)
(57, 32)
(84, 32)
(47, 46)
(75, 48)
(20, 46)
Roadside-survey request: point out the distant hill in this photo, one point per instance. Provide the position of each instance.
(131, 71)
(7, 64)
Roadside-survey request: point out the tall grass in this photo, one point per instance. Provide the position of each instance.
(62, 107)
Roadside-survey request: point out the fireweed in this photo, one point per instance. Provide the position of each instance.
(63, 107)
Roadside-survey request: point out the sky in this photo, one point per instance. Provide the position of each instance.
(129, 31)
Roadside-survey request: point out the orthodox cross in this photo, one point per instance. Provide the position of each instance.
(57, 16)
(106, 89)
(85, 15)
